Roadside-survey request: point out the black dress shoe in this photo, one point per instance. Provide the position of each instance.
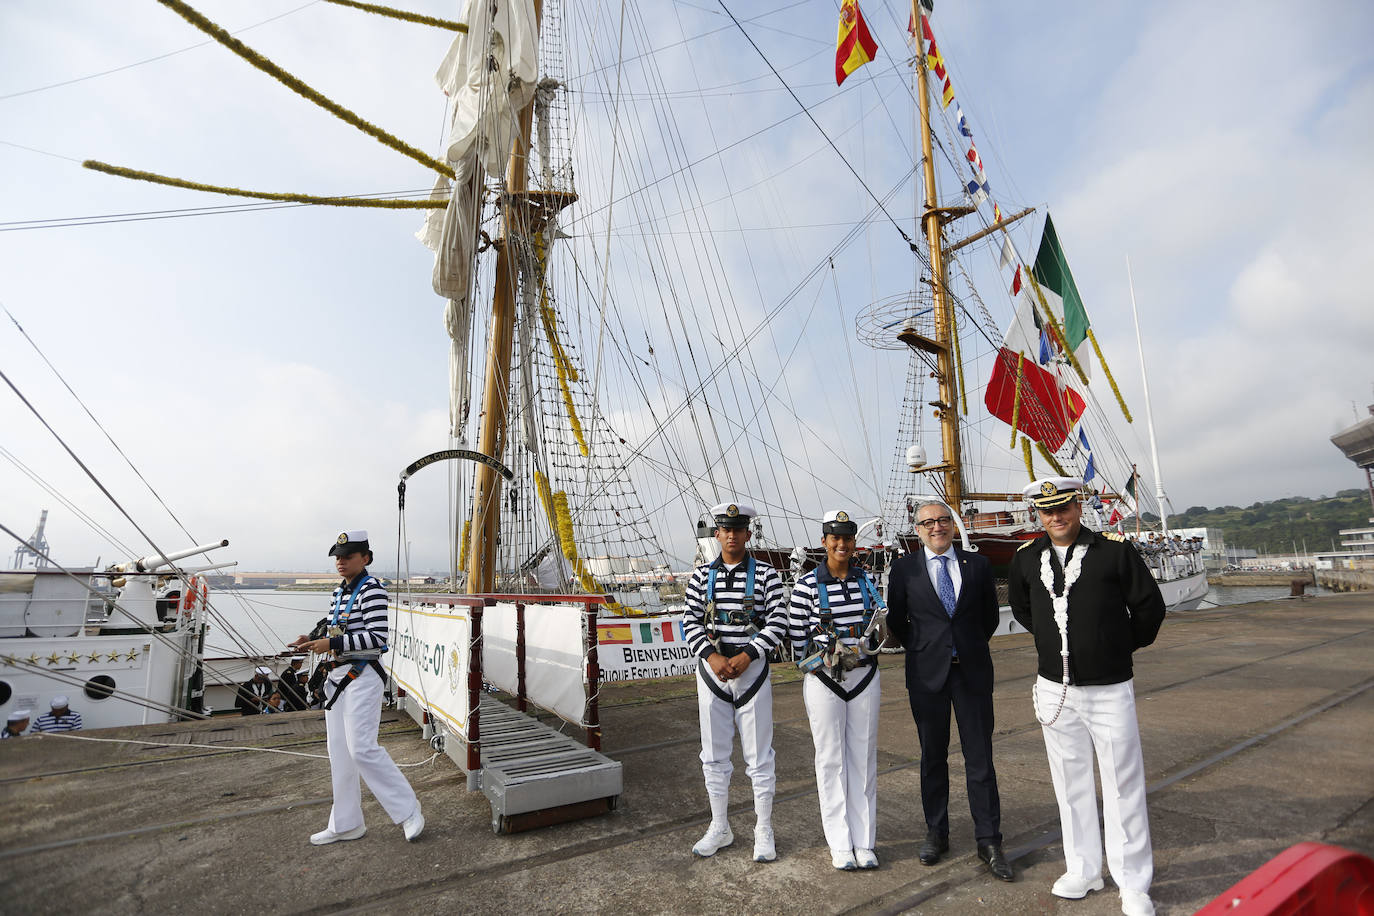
(932, 848)
(997, 863)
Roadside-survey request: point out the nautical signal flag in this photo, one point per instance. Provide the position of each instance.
(854, 46)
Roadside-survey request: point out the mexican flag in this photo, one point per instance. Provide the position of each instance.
(1051, 271)
(1048, 408)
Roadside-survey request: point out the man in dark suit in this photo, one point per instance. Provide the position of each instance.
(942, 605)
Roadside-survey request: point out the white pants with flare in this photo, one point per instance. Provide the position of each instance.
(351, 726)
(846, 738)
(1099, 720)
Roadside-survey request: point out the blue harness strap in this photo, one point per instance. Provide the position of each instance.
(749, 596)
(348, 610)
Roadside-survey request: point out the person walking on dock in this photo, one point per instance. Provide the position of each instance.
(942, 605)
(833, 620)
(1090, 602)
(355, 635)
(735, 616)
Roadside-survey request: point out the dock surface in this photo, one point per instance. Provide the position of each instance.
(1257, 723)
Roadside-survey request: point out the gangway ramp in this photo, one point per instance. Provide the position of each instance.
(535, 776)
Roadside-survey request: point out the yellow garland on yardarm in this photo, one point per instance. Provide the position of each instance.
(402, 14)
(562, 364)
(565, 526)
(1026, 454)
(564, 530)
(463, 550)
(383, 203)
(1116, 391)
(959, 363)
(541, 484)
(1050, 459)
(199, 20)
(1016, 399)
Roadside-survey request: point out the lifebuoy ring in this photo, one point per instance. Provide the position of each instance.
(197, 592)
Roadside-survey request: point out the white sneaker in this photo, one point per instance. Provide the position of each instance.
(1136, 903)
(717, 837)
(1075, 887)
(327, 836)
(413, 824)
(843, 859)
(865, 858)
(763, 845)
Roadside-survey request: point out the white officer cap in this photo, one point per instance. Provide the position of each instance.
(1049, 492)
(263, 670)
(732, 515)
(19, 715)
(58, 702)
(350, 542)
(837, 521)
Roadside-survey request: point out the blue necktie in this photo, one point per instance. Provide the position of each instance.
(944, 585)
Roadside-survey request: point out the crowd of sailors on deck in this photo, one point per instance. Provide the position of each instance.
(1170, 556)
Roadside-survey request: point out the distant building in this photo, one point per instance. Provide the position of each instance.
(1360, 554)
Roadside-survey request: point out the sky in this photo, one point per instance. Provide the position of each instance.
(270, 371)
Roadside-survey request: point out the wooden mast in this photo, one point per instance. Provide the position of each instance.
(933, 219)
(486, 494)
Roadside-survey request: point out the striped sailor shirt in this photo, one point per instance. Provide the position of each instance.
(804, 608)
(367, 628)
(50, 723)
(770, 609)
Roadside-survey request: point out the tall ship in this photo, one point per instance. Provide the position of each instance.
(623, 353)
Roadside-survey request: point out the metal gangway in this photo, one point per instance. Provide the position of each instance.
(542, 651)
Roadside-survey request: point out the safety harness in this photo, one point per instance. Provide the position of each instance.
(830, 659)
(338, 625)
(745, 616)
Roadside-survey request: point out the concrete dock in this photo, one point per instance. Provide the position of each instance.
(1257, 722)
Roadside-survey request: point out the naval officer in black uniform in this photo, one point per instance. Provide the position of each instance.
(1090, 602)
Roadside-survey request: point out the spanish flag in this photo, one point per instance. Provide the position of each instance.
(854, 47)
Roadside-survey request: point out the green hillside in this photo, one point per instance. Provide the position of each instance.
(1274, 526)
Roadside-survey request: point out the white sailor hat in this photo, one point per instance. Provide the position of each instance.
(19, 715)
(350, 542)
(837, 521)
(59, 702)
(1049, 492)
(732, 515)
(263, 670)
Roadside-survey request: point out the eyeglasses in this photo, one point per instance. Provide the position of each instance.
(930, 524)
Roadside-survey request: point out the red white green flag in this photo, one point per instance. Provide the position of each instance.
(1051, 271)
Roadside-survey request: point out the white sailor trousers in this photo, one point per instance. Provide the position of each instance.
(846, 738)
(720, 719)
(1101, 720)
(351, 726)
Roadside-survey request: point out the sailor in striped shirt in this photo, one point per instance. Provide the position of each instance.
(356, 635)
(833, 620)
(60, 719)
(735, 616)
